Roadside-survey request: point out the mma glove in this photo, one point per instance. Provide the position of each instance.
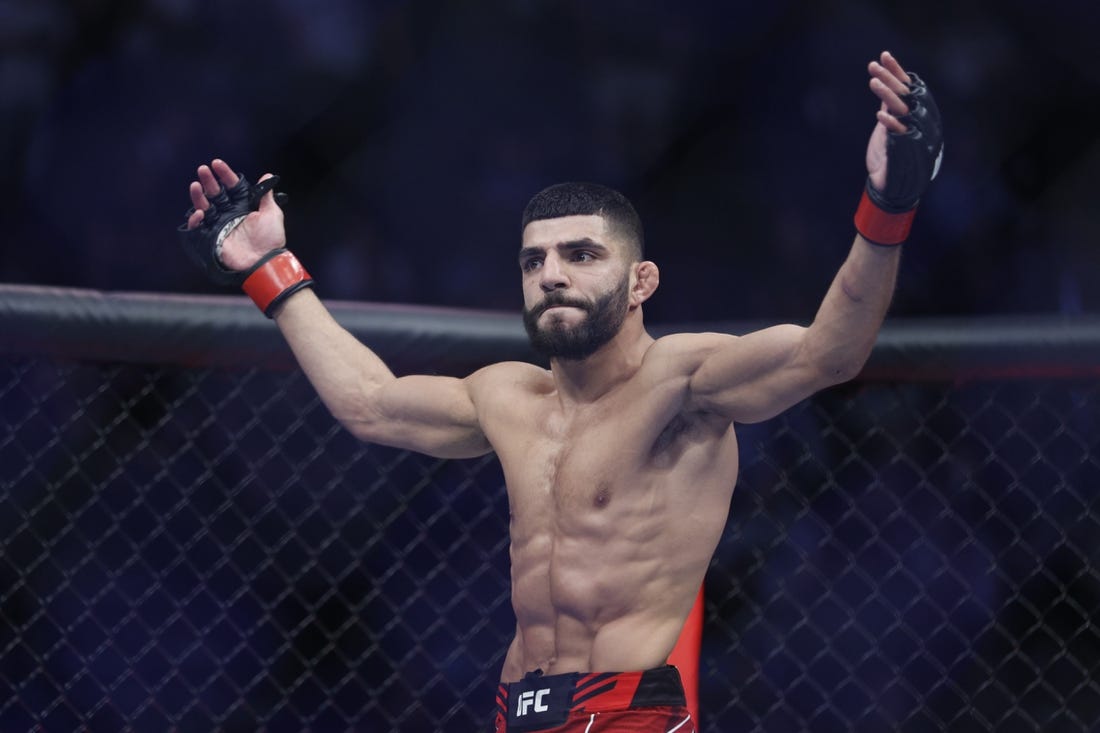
(275, 276)
(912, 161)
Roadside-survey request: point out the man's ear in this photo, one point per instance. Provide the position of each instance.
(644, 280)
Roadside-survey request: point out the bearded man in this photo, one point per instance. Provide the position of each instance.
(621, 458)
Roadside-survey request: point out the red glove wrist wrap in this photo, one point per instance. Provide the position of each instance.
(881, 227)
(275, 280)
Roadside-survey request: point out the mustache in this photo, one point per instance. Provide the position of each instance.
(554, 298)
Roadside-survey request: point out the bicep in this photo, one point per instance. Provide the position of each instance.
(755, 377)
(427, 414)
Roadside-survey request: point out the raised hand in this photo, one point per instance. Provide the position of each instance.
(889, 82)
(903, 155)
(250, 238)
(235, 232)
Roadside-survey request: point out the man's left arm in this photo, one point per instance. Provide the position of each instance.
(759, 375)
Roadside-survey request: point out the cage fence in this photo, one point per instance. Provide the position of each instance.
(188, 540)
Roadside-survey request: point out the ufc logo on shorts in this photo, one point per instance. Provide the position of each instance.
(532, 698)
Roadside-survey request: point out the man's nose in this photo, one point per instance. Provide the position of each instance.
(552, 275)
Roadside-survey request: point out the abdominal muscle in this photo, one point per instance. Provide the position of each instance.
(605, 590)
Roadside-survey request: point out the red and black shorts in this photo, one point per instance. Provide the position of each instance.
(595, 702)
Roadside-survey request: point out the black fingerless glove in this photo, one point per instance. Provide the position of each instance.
(275, 276)
(912, 161)
(227, 210)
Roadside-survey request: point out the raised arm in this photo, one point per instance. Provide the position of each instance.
(757, 376)
(235, 231)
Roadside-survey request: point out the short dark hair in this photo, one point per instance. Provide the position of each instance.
(582, 198)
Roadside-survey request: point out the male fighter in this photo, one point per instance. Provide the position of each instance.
(620, 459)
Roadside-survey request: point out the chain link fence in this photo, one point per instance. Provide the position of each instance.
(202, 548)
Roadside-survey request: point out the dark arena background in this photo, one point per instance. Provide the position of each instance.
(189, 541)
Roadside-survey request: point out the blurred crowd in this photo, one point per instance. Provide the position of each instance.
(410, 134)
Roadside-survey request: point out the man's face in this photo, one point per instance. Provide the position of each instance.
(576, 285)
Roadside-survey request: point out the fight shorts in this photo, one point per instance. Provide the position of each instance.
(594, 702)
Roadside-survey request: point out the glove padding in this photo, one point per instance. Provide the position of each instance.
(913, 157)
(227, 208)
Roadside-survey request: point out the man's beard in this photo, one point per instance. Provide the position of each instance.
(560, 341)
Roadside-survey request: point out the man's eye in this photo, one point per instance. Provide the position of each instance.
(582, 256)
(531, 264)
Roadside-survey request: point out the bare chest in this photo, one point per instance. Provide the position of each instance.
(573, 473)
(597, 464)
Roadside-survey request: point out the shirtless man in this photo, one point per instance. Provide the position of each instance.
(620, 460)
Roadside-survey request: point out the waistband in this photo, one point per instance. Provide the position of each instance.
(591, 691)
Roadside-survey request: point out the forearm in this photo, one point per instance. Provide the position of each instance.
(903, 155)
(235, 231)
(344, 372)
(846, 325)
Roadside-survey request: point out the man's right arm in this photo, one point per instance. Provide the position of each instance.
(428, 414)
(237, 235)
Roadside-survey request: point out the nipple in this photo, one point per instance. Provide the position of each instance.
(602, 498)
